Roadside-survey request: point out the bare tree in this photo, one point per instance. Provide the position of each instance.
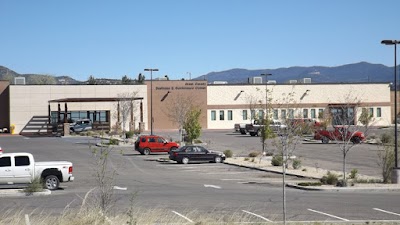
(179, 109)
(347, 129)
(126, 108)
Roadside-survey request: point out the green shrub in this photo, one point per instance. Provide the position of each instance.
(197, 141)
(254, 154)
(246, 159)
(114, 141)
(305, 184)
(386, 138)
(36, 185)
(353, 174)
(296, 164)
(253, 159)
(228, 153)
(269, 154)
(329, 178)
(305, 170)
(368, 181)
(129, 134)
(341, 183)
(277, 160)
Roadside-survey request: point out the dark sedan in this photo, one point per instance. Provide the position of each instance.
(189, 153)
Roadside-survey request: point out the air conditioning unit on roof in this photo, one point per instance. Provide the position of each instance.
(255, 80)
(19, 80)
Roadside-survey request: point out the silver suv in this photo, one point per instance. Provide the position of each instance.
(80, 125)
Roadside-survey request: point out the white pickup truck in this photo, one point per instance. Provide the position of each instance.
(21, 168)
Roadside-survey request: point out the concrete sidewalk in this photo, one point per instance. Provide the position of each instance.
(264, 164)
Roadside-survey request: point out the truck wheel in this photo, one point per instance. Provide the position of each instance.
(252, 134)
(51, 182)
(325, 140)
(259, 133)
(146, 151)
(242, 131)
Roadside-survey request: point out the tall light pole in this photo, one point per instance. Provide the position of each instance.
(266, 110)
(151, 98)
(395, 175)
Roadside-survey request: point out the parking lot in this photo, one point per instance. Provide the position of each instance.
(207, 188)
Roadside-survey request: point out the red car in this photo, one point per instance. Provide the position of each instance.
(338, 134)
(146, 144)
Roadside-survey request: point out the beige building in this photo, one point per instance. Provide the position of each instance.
(28, 107)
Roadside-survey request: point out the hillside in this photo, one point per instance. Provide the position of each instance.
(350, 73)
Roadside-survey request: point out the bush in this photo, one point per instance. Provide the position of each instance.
(353, 174)
(114, 141)
(246, 159)
(129, 134)
(36, 185)
(197, 141)
(269, 154)
(386, 138)
(305, 184)
(305, 170)
(228, 153)
(341, 183)
(296, 164)
(277, 160)
(254, 154)
(329, 178)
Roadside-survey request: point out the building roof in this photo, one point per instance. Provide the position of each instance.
(116, 99)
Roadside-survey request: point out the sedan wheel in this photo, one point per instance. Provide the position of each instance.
(185, 160)
(217, 159)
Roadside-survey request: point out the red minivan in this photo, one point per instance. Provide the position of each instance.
(146, 144)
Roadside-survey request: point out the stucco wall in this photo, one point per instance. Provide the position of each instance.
(27, 101)
(303, 96)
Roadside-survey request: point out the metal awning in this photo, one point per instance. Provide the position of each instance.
(116, 99)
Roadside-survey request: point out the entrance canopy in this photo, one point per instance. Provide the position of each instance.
(116, 99)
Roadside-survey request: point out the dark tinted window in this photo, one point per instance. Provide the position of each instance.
(5, 161)
(152, 140)
(143, 139)
(22, 161)
(160, 140)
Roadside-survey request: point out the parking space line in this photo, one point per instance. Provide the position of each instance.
(326, 214)
(184, 217)
(381, 210)
(261, 217)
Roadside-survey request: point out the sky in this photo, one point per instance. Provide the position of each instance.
(190, 38)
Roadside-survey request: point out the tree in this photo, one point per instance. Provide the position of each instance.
(126, 80)
(192, 124)
(126, 107)
(386, 156)
(365, 118)
(91, 80)
(178, 110)
(344, 116)
(141, 78)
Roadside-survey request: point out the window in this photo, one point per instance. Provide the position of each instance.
(313, 114)
(152, 140)
(275, 114)
(371, 112)
(378, 112)
(260, 114)
(320, 113)
(291, 113)
(305, 113)
(22, 161)
(283, 114)
(221, 115)
(253, 114)
(160, 140)
(5, 161)
(230, 115)
(213, 115)
(244, 114)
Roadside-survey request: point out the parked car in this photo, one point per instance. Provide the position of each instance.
(81, 125)
(189, 153)
(21, 168)
(146, 144)
(339, 134)
(256, 127)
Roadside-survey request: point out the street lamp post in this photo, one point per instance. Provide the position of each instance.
(266, 110)
(151, 98)
(396, 172)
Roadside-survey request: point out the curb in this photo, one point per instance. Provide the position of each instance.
(20, 193)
